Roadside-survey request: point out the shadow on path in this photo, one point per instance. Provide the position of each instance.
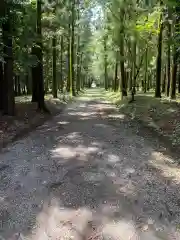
(88, 173)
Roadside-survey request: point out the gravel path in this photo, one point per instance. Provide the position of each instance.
(89, 174)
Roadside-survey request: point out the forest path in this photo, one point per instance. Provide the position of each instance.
(88, 174)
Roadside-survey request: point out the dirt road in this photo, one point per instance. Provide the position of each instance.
(89, 174)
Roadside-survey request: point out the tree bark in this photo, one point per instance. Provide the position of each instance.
(179, 79)
(174, 74)
(146, 70)
(159, 62)
(9, 103)
(54, 67)
(34, 79)
(116, 75)
(72, 72)
(164, 81)
(1, 85)
(105, 64)
(68, 86)
(39, 67)
(61, 65)
(168, 55)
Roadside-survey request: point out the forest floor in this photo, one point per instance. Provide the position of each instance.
(27, 118)
(160, 115)
(89, 173)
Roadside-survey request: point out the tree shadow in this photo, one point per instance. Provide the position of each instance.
(89, 175)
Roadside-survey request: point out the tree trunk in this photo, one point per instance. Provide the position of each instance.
(116, 75)
(72, 72)
(146, 70)
(1, 86)
(54, 85)
(168, 55)
(28, 87)
(105, 64)
(174, 74)
(78, 84)
(82, 75)
(121, 46)
(39, 67)
(159, 62)
(69, 59)
(34, 79)
(133, 91)
(9, 103)
(179, 80)
(61, 65)
(164, 81)
(18, 86)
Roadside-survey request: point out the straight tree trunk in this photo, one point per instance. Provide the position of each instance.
(174, 75)
(116, 75)
(68, 87)
(133, 91)
(105, 64)
(121, 46)
(168, 55)
(78, 66)
(179, 79)
(146, 70)
(78, 85)
(18, 86)
(72, 72)
(82, 75)
(1, 85)
(54, 85)
(34, 79)
(28, 84)
(39, 54)
(61, 65)
(9, 101)
(164, 81)
(159, 62)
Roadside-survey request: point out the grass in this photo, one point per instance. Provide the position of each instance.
(161, 114)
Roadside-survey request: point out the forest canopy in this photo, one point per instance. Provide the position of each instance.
(57, 45)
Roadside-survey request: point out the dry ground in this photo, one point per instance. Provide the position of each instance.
(89, 173)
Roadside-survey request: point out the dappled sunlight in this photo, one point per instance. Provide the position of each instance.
(87, 118)
(100, 125)
(94, 172)
(67, 152)
(93, 177)
(73, 135)
(168, 167)
(117, 116)
(63, 122)
(113, 158)
(82, 113)
(57, 222)
(121, 230)
(98, 144)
